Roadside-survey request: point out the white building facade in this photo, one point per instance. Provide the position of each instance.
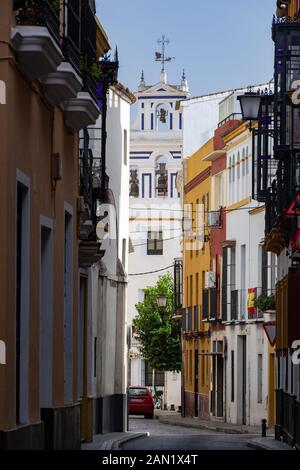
(249, 272)
(107, 380)
(155, 211)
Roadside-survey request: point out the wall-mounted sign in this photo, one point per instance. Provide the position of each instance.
(251, 302)
(2, 92)
(2, 353)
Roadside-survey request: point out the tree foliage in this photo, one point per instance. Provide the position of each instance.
(159, 335)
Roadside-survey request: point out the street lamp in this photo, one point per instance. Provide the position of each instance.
(161, 301)
(250, 106)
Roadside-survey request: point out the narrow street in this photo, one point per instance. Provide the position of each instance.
(165, 437)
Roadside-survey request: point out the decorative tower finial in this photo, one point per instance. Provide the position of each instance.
(161, 57)
(142, 84)
(184, 84)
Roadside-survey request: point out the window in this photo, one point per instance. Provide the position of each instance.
(161, 177)
(171, 121)
(186, 292)
(95, 357)
(259, 377)
(197, 288)
(192, 218)
(22, 297)
(203, 221)
(203, 368)
(68, 305)
(142, 121)
(180, 121)
(243, 283)
(190, 367)
(155, 243)
(232, 376)
(125, 147)
(197, 225)
(191, 291)
(134, 188)
(46, 313)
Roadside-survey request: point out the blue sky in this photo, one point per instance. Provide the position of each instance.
(221, 43)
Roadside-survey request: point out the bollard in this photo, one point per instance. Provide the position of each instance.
(263, 428)
(172, 407)
(165, 406)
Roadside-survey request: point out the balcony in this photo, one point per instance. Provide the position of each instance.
(89, 61)
(283, 191)
(35, 38)
(81, 111)
(62, 85)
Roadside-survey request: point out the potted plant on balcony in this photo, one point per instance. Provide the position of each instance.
(95, 71)
(35, 12)
(55, 5)
(265, 303)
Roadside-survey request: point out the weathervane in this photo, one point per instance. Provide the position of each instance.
(161, 56)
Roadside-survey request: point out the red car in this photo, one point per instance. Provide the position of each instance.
(140, 402)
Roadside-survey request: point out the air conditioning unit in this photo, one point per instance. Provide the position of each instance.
(213, 219)
(210, 279)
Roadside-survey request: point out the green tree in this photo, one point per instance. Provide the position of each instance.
(159, 335)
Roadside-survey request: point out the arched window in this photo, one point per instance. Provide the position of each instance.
(134, 186)
(161, 177)
(243, 162)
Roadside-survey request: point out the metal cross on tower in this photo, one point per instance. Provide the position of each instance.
(161, 56)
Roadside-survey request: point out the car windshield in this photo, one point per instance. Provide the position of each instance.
(138, 392)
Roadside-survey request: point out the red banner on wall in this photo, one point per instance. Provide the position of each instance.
(251, 300)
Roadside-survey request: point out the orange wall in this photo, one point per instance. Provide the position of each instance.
(30, 132)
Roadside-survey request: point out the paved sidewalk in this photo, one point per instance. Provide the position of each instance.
(268, 443)
(112, 441)
(175, 419)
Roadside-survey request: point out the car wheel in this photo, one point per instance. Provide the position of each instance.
(149, 416)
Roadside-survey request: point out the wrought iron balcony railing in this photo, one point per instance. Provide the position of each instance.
(71, 38)
(90, 184)
(88, 61)
(283, 189)
(39, 13)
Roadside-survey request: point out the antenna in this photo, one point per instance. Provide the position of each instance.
(161, 56)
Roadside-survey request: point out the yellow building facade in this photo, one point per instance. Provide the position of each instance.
(196, 256)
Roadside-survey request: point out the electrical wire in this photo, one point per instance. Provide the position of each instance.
(194, 211)
(152, 272)
(163, 240)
